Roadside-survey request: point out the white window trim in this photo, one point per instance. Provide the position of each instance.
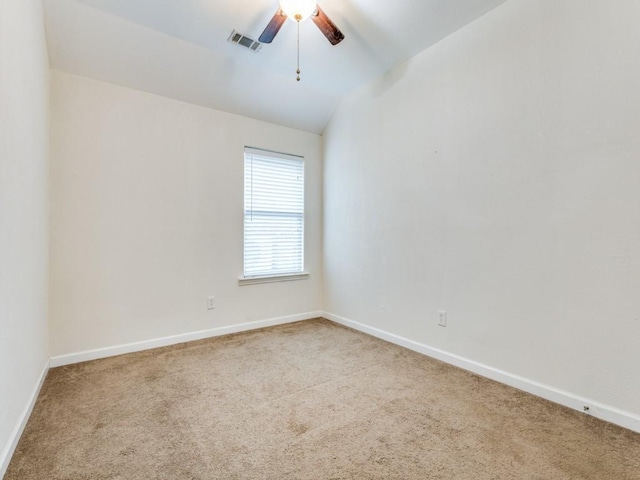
(271, 153)
(272, 279)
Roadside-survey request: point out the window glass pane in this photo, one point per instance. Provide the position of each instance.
(273, 214)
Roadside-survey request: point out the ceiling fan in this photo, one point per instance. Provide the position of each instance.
(298, 11)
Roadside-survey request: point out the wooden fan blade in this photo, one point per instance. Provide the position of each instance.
(273, 28)
(327, 27)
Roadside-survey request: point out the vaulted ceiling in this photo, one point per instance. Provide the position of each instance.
(179, 49)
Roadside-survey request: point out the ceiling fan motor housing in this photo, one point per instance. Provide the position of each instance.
(298, 10)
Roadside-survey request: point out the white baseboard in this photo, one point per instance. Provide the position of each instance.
(60, 360)
(7, 452)
(568, 399)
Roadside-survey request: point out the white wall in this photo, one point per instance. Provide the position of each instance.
(24, 142)
(497, 176)
(146, 217)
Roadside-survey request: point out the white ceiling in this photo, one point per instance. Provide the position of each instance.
(179, 49)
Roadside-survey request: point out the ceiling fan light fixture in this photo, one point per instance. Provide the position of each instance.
(298, 10)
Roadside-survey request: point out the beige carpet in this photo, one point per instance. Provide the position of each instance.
(310, 400)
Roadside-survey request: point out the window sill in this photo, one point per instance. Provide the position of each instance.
(272, 279)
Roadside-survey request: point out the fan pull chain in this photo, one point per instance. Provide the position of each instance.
(298, 71)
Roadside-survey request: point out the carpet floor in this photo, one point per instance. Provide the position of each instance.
(310, 400)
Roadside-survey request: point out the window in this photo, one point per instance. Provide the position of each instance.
(273, 214)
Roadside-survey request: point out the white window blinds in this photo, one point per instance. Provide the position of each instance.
(273, 214)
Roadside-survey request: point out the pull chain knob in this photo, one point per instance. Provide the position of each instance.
(298, 70)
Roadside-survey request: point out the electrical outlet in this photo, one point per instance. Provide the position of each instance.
(442, 318)
(211, 303)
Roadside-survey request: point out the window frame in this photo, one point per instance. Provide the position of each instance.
(273, 277)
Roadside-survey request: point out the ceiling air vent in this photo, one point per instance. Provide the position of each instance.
(245, 41)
